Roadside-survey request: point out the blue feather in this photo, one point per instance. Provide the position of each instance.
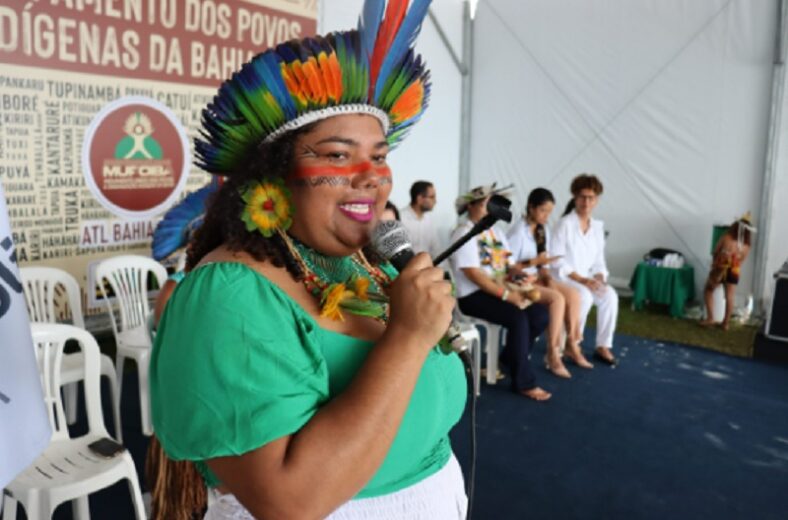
(174, 230)
(403, 41)
(276, 84)
(368, 25)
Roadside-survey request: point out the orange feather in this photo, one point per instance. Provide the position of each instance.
(292, 84)
(336, 75)
(315, 79)
(303, 85)
(409, 103)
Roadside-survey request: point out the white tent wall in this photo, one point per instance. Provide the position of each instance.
(777, 238)
(773, 236)
(432, 150)
(667, 101)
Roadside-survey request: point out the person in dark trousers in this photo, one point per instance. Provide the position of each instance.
(481, 268)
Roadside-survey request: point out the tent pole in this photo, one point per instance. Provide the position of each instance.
(761, 277)
(465, 121)
(464, 68)
(442, 34)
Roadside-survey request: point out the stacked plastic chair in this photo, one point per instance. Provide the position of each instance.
(41, 286)
(68, 470)
(127, 276)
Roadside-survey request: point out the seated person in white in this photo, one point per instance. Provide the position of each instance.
(481, 267)
(579, 240)
(529, 239)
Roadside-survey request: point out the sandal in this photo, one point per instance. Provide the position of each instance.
(557, 366)
(575, 354)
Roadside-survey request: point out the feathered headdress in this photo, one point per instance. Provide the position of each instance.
(746, 222)
(371, 70)
(180, 222)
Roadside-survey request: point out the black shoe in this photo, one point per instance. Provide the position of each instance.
(608, 361)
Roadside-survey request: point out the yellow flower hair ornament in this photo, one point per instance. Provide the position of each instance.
(267, 207)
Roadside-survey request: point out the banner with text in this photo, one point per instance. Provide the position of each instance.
(198, 42)
(65, 64)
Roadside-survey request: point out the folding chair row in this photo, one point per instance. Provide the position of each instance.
(126, 278)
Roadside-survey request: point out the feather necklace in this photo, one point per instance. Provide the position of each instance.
(347, 283)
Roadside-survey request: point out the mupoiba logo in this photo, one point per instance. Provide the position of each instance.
(135, 157)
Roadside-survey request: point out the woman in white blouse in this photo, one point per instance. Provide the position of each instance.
(528, 239)
(579, 241)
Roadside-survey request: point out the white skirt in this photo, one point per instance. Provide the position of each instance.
(441, 495)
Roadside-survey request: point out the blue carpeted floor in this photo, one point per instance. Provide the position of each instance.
(672, 432)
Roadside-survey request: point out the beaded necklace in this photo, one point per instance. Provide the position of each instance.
(347, 283)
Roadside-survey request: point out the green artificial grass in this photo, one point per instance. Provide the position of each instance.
(654, 322)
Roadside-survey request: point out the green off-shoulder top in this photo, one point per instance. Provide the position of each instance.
(237, 363)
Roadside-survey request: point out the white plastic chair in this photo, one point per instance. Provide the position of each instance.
(68, 469)
(471, 334)
(494, 334)
(40, 284)
(128, 277)
(492, 342)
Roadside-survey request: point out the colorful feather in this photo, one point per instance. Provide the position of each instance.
(373, 66)
(368, 25)
(403, 42)
(180, 222)
(395, 12)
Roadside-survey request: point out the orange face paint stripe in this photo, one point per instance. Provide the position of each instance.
(334, 171)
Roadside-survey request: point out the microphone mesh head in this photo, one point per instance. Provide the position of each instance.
(389, 238)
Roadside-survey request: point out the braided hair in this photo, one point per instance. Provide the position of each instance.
(536, 198)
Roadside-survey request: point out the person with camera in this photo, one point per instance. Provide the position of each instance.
(487, 283)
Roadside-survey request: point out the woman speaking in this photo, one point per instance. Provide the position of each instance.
(298, 373)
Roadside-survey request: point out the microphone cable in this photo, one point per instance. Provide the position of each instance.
(467, 361)
(390, 240)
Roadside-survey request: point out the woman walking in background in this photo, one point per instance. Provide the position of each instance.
(729, 254)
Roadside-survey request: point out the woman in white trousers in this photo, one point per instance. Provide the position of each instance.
(579, 241)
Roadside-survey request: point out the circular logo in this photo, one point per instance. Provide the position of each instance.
(135, 157)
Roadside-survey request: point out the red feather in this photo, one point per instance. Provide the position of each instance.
(395, 13)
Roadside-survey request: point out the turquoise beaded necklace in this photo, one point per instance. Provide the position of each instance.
(347, 283)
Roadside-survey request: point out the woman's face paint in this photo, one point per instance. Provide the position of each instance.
(334, 175)
(340, 183)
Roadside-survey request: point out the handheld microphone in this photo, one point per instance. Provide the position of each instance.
(391, 241)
